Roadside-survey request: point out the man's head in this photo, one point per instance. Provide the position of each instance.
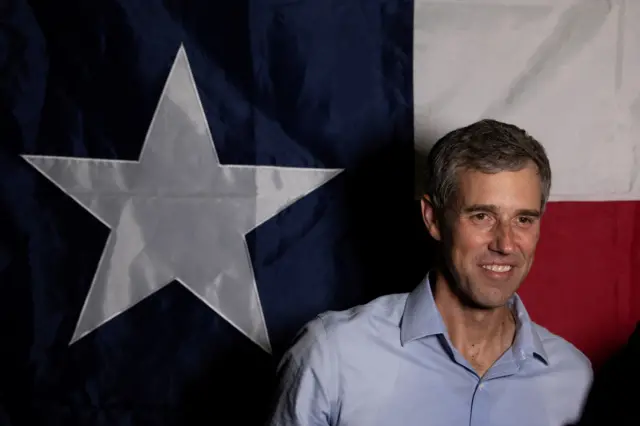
(487, 187)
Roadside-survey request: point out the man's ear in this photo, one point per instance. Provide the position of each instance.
(430, 218)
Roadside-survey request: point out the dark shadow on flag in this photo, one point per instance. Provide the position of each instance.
(614, 395)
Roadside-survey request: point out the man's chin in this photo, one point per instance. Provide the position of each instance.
(482, 301)
(491, 305)
(492, 296)
(479, 292)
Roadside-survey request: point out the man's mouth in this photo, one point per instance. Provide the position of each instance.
(498, 268)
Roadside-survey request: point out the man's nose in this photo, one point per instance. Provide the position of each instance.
(503, 240)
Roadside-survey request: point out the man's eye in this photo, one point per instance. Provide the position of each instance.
(525, 220)
(480, 216)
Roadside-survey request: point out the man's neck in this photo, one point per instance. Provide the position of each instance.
(481, 336)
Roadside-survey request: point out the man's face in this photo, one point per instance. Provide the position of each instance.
(491, 234)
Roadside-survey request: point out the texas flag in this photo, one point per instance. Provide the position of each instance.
(184, 184)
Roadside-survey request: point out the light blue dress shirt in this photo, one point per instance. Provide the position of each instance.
(390, 362)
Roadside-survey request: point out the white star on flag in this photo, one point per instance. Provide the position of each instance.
(178, 214)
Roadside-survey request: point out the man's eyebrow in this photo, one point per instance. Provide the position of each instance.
(487, 208)
(491, 208)
(529, 212)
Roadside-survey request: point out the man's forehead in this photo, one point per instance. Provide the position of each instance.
(511, 190)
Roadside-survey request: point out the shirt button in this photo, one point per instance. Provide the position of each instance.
(481, 387)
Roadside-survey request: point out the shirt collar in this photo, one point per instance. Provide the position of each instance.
(421, 318)
(527, 341)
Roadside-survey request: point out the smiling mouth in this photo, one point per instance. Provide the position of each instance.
(498, 268)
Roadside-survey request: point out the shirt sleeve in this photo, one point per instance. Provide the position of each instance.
(305, 392)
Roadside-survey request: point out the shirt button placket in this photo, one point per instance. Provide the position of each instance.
(480, 405)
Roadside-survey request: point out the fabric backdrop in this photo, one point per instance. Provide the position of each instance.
(106, 314)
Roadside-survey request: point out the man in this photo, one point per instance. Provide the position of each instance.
(461, 348)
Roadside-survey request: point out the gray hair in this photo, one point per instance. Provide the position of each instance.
(487, 146)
